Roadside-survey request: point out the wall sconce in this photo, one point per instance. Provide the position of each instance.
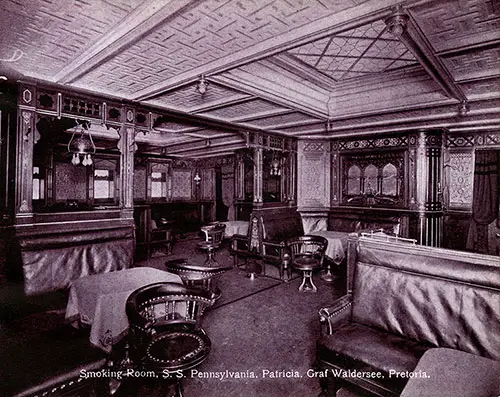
(197, 178)
(82, 146)
(463, 108)
(202, 85)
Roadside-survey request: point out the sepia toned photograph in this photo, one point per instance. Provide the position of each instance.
(249, 198)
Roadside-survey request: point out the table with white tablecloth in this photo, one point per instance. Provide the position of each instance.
(335, 250)
(99, 301)
(337, 244)
(235, 227)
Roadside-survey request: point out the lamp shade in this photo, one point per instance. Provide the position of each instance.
(81, 145)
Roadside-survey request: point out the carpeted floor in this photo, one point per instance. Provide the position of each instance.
(262, 330)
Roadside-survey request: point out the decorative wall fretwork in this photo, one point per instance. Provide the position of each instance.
(461, 179)
(460, 140)
(81, 106)
(314, 147)
(373, 143)
(485, 139)
(270, 141)
(219, 161)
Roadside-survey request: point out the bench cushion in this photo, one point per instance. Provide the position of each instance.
(42, 349)
(363, 348)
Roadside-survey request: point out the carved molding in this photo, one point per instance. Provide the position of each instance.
(373, 143)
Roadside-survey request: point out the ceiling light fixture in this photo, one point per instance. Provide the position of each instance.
(463, 108)
(275, 164)
(197, 178)
(202, 85)
(82, 146)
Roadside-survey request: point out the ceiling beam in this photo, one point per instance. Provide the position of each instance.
(296, 66)
(402, 26)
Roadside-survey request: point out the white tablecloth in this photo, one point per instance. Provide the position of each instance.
(337, 244)
(99, 301)
(235, 227)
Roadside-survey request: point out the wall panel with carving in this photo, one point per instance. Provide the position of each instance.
(181, 184)
(313, 174)
(459, 178)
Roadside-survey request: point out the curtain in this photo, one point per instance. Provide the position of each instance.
(484, 200)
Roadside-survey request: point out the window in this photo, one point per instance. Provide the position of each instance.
(390, 180)
(104, 184)
(353, 180)
(158, 184)
(104, 181)
(38, 184)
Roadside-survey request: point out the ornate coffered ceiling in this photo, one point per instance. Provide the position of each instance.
(302, 68)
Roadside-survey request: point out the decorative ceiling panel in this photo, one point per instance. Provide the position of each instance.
(243, 110)
(284, 119)
(210, 30)
(474, 64)
(451, 24)
(49, 34)
(188, 97)
(364, 50)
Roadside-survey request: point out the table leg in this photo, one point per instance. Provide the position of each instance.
(326, 274)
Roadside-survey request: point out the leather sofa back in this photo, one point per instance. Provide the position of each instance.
(281, 225)
(447, 298)
(52, 261)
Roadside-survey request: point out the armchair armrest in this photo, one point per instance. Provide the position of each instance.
(332, 316)
(239, 242)
(273, 250)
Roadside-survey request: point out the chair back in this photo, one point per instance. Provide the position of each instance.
(214, 233)
(307, 246)
(160, 304)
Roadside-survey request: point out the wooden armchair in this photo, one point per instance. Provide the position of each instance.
(204, 277)
(213, 239)
(307, 254)
(165, 329)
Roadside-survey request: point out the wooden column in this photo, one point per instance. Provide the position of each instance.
(127, 148)
(292, 179)
(428, 180)
(258, 159)
(24, 168)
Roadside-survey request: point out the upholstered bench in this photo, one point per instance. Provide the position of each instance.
(43, 356)
(402, 300)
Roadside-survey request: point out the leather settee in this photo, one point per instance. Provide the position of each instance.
(266, 239)
(403, 299)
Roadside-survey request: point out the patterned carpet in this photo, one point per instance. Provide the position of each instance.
(263, 331)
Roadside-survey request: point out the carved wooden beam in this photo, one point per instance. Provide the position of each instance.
(402, 26)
